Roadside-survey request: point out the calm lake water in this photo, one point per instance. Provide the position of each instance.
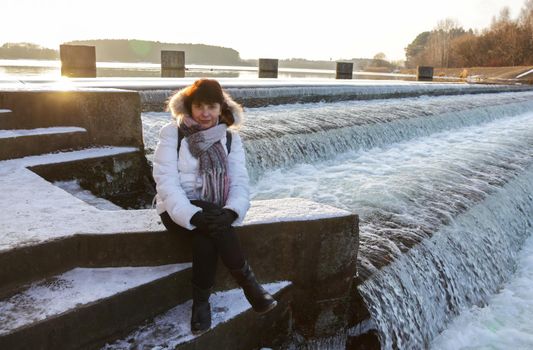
(18, 69)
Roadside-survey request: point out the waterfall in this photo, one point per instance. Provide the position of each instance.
(442, 218)
(405, 192)
(280, 136)
(443, 187)
(272, 93)
(283, 136)
(461, 265)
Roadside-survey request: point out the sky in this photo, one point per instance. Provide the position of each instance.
(327, 30)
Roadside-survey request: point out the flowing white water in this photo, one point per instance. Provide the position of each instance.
(305, 91)
(506, 322)
(442, 185)
(404, 192)
(463, 264)
(280, 136)
(469, 188)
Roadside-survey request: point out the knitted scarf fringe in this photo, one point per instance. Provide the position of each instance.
(212, 159)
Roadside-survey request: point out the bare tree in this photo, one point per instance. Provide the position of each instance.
(380, 56)
(507, 42)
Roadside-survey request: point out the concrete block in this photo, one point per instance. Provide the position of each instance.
(248, 330)
(172, 64)
(111, 117)
(91, 325)
(78, 61)
(124, 179)
(318, 255)
(268, 68)
(344, 70)
(424, 73)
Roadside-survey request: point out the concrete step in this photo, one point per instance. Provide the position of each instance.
(87, 307)
(235, 325)
(18, 143)
(7, 119)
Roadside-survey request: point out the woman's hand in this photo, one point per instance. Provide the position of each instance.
(219, 220)
(212, 219)
(222, 217)
(199, 220)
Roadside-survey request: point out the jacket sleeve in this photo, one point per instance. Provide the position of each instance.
(167, 178)
(239, 188)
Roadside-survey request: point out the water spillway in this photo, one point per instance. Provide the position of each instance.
(250, 94)
(460, 266)
(443, 186)
(406, 191)
(281, 136)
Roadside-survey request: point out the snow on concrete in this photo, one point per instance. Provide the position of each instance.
(35, 211)
(74, 288)
(4, 134)
(62, 157)
(290, 209)
(73, 187)
(173, 327)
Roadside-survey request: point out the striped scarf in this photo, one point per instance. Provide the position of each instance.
(205, 146)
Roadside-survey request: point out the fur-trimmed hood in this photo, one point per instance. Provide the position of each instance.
(176, 106)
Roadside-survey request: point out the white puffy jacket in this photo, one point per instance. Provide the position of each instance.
(177, 177)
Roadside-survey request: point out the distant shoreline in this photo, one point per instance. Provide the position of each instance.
(484, 74)
(141, 51)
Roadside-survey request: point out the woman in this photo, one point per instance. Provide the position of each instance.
(204, 188)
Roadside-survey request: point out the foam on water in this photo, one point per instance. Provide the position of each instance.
(283, 91)
(404, 192)
(280, 136)
(506, 322)
(463, 264)
(442, 185)
(462, 197)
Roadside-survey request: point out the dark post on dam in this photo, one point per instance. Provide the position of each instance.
(424, 73)
(268, 68)
(344, 70)
(78, 61)
(172, 64)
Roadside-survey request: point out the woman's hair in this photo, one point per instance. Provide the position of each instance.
(207, 91)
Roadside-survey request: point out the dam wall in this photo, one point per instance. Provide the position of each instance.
(441, 182)
(314, 247)
(109, 116)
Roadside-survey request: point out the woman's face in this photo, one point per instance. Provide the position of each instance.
(206, 114)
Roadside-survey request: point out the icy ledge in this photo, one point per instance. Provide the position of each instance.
(290, 209)
(173, 327)
(4, 134)
(36, 211)
(72, 289)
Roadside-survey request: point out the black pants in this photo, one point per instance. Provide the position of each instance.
(205, 249)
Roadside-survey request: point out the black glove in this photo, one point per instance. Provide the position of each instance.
(199, 220)
(219, 221)
(222, 217)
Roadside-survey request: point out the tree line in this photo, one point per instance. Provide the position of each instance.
(115, 50)
(110, 50)
(506, 42)
(27, 50)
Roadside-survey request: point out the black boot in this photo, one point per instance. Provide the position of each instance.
(201, 310)
(258, 297)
